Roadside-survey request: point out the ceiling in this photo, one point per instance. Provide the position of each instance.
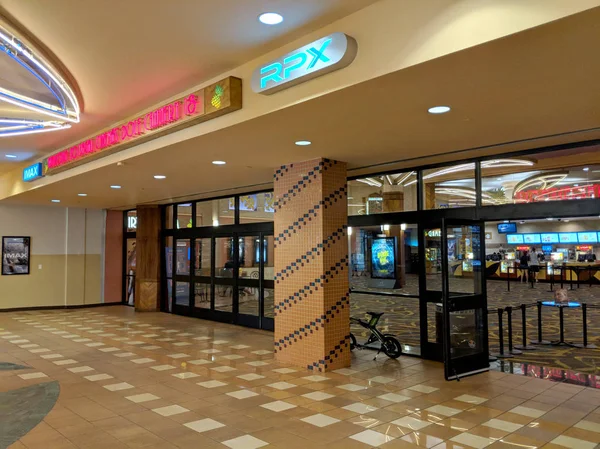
(527, 90)
(154, 49)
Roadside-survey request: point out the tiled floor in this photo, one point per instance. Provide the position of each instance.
(122, 388)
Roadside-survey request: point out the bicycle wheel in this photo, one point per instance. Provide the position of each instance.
(391, 347)
(353, 342)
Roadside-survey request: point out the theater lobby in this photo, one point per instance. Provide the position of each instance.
(299, 224)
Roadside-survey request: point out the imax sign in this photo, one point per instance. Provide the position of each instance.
(32, 173)
(318, 58)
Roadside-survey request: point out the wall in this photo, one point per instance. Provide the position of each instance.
(113, 257)
(66, 256)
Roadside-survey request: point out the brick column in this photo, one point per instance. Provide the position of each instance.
(147, 280)
(312, 318)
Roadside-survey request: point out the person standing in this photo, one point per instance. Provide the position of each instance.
(524, 267)
(534, 264)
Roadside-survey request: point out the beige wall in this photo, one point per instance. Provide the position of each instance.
(66, 256)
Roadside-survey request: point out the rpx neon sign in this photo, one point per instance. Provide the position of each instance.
(326, 55)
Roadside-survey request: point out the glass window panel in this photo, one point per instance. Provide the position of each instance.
(169, 256)
(169, 211)
(131, 221)
(466, 333)
(449, 187)
(215, 212)
(183, 257)
(464, 267)
(433, 259)
(250, 257)
(182, 294)
(131, 257)
(224, 257)
(395, 192)
(384, 258)
(257, 207)
(269, 255)
(249, 298)
(269, 303)
(184, 216)
(130, 290)
(203, 257)
(553, 176)
(202, 295)
(170, 295)
(224, 298)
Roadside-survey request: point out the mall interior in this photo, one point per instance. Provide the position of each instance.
(343, 224)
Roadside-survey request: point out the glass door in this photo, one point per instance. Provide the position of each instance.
(430, 290)
(464, 299)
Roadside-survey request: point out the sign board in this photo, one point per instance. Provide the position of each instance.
(318, 58)
(383, 258)
(507, 228)
(205, 104)
(15, 255)
(33, 172)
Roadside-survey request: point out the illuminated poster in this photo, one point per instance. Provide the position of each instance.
(383, 258)
(269, 202)
(15, 255)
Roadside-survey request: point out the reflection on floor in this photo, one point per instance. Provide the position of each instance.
(402, 318)
(164, 381)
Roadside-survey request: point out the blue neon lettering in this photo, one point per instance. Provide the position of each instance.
(301, 57)
(318, 55)
(275, 76)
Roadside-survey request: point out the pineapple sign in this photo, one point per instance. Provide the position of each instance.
(205, 104)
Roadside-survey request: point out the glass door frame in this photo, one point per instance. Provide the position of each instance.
(455, 368)
(235, 232)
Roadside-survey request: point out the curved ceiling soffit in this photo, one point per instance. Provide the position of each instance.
(37, 94)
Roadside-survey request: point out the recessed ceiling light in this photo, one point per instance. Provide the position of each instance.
(499, 179)
(586, 168)
(159, 177)
(115, 187)
(270, 18)
(439, 109)
(303, 143)
(566, 220)
(522, 221)
(219, 162)
(575, 185)
(11, 156)
(82, 194)
(549, 218)
(55, 201)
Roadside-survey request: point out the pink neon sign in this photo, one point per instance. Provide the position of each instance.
(133, 129)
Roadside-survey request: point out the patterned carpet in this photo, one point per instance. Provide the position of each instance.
(402, 318)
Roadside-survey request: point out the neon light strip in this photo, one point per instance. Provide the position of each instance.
(55, 84)
(55, 77)
(36, 131)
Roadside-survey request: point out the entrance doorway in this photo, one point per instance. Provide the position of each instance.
(453, 299)
(224, 276)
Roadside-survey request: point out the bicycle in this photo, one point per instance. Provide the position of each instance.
(389, 344)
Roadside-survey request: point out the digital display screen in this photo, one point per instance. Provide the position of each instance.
(547, 248)
(514, 239)
(550, 238)
(532, 238)
(507, 228)
(383, 258)
(567, 237)
(587, 237)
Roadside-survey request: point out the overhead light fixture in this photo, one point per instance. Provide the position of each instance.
(11, 156)
(575, 185)
(439, 109)
(303, 143)
(82, 194)
(160, 177)
(55, 201)
(586, 168)
(499, 179)
(403, 227)
(349, 230)
(270, 18)
(566, 220)
(522, 222)
(215, 222)
(219, 162)
(115, 187)
(549, 218)
(505, 221)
